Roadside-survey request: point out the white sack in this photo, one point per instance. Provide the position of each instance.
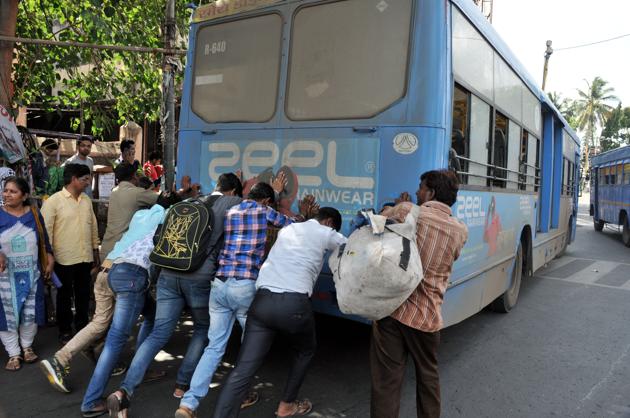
(367, 271)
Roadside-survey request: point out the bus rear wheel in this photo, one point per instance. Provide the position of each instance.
(507, 300)
(625, 232)
(598, 225)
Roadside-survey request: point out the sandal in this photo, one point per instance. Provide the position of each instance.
(299, 408)
(118, 403)
(180, 390)
(29, 355)
(250, 399)
(14, 364)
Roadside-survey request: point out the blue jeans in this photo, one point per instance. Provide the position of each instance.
(229, 301)
(148, 315)
(172, 295)
(129, 283)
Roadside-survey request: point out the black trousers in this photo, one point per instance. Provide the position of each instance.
(77, 287)
(289, 314)
(392, 342)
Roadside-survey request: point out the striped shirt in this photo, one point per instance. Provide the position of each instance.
(245, 229)
(440, 238)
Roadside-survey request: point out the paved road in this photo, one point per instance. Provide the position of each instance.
(563, 352)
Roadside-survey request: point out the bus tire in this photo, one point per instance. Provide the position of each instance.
(507, 300)
(598, 225)
(625, 232)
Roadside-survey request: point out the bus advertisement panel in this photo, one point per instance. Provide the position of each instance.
(338, 172)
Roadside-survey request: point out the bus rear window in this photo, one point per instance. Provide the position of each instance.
(348, 59)
(236, 70)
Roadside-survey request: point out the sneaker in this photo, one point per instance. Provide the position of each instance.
(55, 373)
(119, 369)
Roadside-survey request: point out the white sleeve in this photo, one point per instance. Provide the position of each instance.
(335, 239)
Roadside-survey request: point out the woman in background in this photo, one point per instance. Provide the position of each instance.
(22, 239)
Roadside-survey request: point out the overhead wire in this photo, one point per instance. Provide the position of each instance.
(592, 43)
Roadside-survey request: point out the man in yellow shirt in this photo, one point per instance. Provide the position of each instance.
(72, 229)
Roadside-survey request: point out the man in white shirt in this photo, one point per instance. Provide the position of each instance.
(282, 305)
(84, 147)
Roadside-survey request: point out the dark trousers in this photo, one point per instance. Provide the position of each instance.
(289, 314)
(76, 285)
(391, 344)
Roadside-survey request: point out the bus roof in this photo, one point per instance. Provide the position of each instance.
(472, 12)
(610, 156)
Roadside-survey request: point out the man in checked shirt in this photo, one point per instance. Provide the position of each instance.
(414, 328)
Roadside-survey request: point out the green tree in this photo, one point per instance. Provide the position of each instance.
(616, 131)
(566, 107)
(111, 87)
(592, 109)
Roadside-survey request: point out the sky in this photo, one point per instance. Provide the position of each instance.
(526, 25)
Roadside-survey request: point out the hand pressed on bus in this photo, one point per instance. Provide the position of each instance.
(279, 182)
(404, 197)
(308, 207)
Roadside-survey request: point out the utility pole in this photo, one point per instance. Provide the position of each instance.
(8, 21)
(486, 7)
(167, 120)
(548, 53)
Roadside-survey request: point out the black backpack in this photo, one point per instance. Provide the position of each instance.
(182, 241)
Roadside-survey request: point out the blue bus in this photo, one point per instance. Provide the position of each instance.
(610, 190)
(354, 99)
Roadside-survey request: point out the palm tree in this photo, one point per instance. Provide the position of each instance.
(565, 106)
(592, 109)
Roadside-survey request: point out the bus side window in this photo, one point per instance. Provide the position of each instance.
(626, 174)
(499, 152)
(564, 176)
(523, 161)
(460, 141)
(514, 155)
(479, 136)
(469, 137)
(568, 177)
(535, 166)
(571, 178)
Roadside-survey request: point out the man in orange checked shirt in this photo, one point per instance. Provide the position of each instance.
(414, 328)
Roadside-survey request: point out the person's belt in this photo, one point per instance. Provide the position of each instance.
(287, 293)
(106, 265)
